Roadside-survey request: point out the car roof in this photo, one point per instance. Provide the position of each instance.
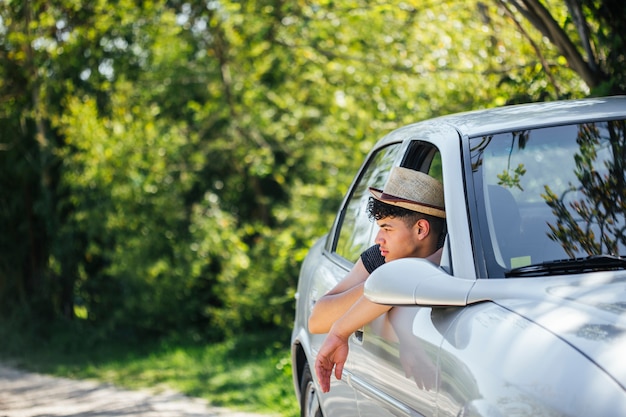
(520, 117)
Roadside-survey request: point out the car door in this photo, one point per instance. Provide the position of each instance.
(391, 369)
(394, 358)
(352, 233)
(394, 364)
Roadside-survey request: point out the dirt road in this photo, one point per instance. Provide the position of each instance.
(24, 394)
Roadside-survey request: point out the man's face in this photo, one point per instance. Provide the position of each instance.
(397, 240)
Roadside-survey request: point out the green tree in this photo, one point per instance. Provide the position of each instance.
(588, 34)
(167, 164)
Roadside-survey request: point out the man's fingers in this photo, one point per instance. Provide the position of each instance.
(323, 375)
(338, 370)
(332, 354)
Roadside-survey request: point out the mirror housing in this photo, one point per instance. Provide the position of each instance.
(416, 281)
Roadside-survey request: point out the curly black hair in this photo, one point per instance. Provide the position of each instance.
(377, 210)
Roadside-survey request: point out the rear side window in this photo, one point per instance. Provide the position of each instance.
(356, 231)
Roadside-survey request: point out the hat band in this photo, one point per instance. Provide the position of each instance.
(431, 209)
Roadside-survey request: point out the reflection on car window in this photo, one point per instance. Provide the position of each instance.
(551, 193)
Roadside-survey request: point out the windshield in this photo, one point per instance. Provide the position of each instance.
(550, 194)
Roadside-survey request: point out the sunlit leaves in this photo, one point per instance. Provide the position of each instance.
(195, 150)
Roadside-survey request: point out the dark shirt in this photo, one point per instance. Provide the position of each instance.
(372, 258)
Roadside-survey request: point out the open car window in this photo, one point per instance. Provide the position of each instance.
(356, 232)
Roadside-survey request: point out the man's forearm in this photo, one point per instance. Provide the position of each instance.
(331, 307)
(334, 351)
(361, 313)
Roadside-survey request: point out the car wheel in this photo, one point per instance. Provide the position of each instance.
(309, 402)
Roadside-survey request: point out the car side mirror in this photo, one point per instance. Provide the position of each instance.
(416, 281)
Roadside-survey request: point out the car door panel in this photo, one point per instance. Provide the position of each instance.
(398, 359)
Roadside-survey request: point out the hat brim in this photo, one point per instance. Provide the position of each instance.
(407, 204)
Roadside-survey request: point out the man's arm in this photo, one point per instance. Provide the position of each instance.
(337, 301)
(334, 351)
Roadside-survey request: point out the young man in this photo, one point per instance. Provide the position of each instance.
(410, 213)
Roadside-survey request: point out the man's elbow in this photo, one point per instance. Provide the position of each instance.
(317, 326)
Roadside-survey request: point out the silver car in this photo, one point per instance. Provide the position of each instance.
(526, 314)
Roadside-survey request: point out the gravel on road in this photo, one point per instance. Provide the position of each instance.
(26, 394)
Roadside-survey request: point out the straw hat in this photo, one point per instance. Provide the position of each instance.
(412, 190)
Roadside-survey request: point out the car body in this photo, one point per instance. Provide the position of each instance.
(526, 313)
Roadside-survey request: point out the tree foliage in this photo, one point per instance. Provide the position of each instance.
(165, 165)
(587, 34)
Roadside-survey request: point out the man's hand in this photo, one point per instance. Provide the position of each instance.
(334, 351)
(332, 354)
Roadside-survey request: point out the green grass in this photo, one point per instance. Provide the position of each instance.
(248, 373)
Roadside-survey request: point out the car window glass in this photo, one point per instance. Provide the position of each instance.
(356, 230)
(551, 193)
(435, 169)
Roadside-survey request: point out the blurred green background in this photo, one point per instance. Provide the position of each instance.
(165, 165)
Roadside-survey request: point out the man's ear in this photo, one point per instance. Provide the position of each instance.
(422, 227)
